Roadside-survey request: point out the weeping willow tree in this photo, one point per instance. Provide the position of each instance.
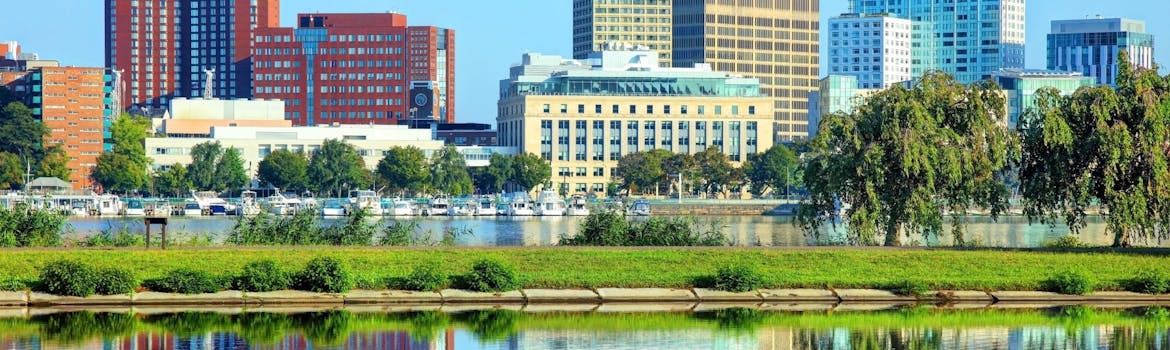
(1101, 146)
(906, 158)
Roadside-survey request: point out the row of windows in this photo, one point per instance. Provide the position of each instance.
(649, 109)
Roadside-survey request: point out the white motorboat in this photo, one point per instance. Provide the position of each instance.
(278, 204)
(366, 200)
(549, 203)
(578, 206)
(401, 208)
(192, 209)
(135, 208)
(485, 207)
(462, 208)
(210, 202)
(520, 206)
(248, 204)
(439, 205)
(332, 208)
(641, 207)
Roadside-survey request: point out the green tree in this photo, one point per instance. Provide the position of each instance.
(449, 172)
(285, 170)
(337, 166)
(23, 134)
(229, 171)
(173, 182)
(117, 173)
(683, 163)
(642, 170)
(11, 171)
(498, 172)
(904, 156)
(1101, 146)
(55, 163)
(129, 137)
(404, 169)
(201, 172)
(776, 169)
(529, 170)
(715, 171)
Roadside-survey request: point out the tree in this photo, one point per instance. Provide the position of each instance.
(173, 181)
(201, 172)
(129, 136)
(683, 163)
(55, 163)
(642, 170)
(775, 169)
(904, 156)
(449, 172)
(499, 171)
(285, 170)
(229, 171)
(715, 170)
(1101, 146)
(337, 166)
(117, 173)
(529, 170)
(22, 134)
(404, 169)
(11, 171)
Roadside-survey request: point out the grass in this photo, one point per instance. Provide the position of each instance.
(565, 267)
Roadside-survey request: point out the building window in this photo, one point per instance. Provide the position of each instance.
(546, 108)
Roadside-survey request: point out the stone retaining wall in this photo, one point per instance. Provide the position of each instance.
(714, 209)
(616, 296)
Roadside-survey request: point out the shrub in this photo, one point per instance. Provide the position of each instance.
(368, 282)
(1148, 281)
(425, 277)
(188, 281)
(12, 284)
(1066, 242)
(1069, 282)
(739, 278)
(325, 275)
(69, 278)
(113, 281)
(355, 231)
(610, 228)
(910, 288)
(490, 276)
(25, 227)
(399, 233)
(262, 276)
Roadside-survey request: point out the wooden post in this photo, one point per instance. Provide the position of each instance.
(151, 221)
(164, 236)
(147, 233)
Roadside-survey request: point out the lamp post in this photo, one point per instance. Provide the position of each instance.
(680, 186)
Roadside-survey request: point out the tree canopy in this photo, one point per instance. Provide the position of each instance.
(285, 170)
(117, 173)
(1101, 146)
(449, 172)
(23, 134)
(529, 170)
(201, 171)
(716, 171)
(336, 167)
(173, 181)
(643, 170)
(498, 173)
(404, 169)
(54, 164)
(907, 156)
(11, 171)
(776, 169)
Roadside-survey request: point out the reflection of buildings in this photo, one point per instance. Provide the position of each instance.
(636, 339)
(152, 341)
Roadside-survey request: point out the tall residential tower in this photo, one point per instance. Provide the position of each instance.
(1091, 46)
(642, 22)
(873, 48)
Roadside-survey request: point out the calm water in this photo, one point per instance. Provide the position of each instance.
(736, 328)
(1014, 232)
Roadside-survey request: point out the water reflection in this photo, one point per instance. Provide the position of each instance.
(731, 328)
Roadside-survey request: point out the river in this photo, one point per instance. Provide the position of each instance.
(1008, 232)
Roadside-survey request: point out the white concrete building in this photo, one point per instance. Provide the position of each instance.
(874, 48)
(1091, 46)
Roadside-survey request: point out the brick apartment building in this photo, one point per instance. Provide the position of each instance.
(357, 68)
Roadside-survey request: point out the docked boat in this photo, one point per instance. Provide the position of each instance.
(332, 208)
(401, 207)
(520, 206)
(248, 204)
(578, 206)
(278, 204)
(549, 203)
(462, 208)
(135, 208)
(210, 202)
(80, 208)
(641, 207)
(366, 200)
(439, 205)
(192, 209)
(485, 207)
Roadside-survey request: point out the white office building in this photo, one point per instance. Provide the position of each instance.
(1091, 46)
(874, 48)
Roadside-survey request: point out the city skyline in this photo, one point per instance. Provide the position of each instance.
(489, 44)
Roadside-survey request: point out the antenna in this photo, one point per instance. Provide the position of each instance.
(207, 90)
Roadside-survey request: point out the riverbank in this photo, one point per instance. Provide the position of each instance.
(592, 268)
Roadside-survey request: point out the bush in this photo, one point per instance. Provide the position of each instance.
(610, 228)
(425, 277)
(1069, 282)
(399, 233)
(68, 278)
(114, 281)
(262, 276)
(1148, 281)
(1066, 242)
(12, 284)
(355, 231)
(740, 278)
(490, 276)
(325, 275)
(25, 227)
(189, 281)
(910, 288)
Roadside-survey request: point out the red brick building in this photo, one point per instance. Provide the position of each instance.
(164, 46)
(356, 68)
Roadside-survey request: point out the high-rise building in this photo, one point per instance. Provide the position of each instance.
(164, 47)
(1020, 87)
(10, 50)
(1092, 46)
(835, 94)
(582, 116)
(873, 48)
(970, 40)
(71, 103)
(776, 42)
(645, 22)
(357, 68)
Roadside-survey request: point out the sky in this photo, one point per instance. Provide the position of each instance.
(490, 35)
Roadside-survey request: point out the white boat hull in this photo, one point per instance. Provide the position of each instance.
(136, 212)
(333, 212)
(577, 212)
(193, 212)
(401, 212)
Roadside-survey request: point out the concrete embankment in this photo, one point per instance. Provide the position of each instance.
(702, 209)
(616, 296)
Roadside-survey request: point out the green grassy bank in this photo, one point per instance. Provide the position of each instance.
(565, 267)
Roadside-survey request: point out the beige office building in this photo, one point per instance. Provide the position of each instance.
(584, 115)
(633, 22)
(773, 41)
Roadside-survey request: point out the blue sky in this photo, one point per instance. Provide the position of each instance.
(490, 35)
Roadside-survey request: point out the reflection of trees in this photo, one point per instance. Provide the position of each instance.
(1146, 336)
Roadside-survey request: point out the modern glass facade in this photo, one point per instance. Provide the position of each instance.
(1021, 86)
(1091, 46)
(968, 39)
(638, 86)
